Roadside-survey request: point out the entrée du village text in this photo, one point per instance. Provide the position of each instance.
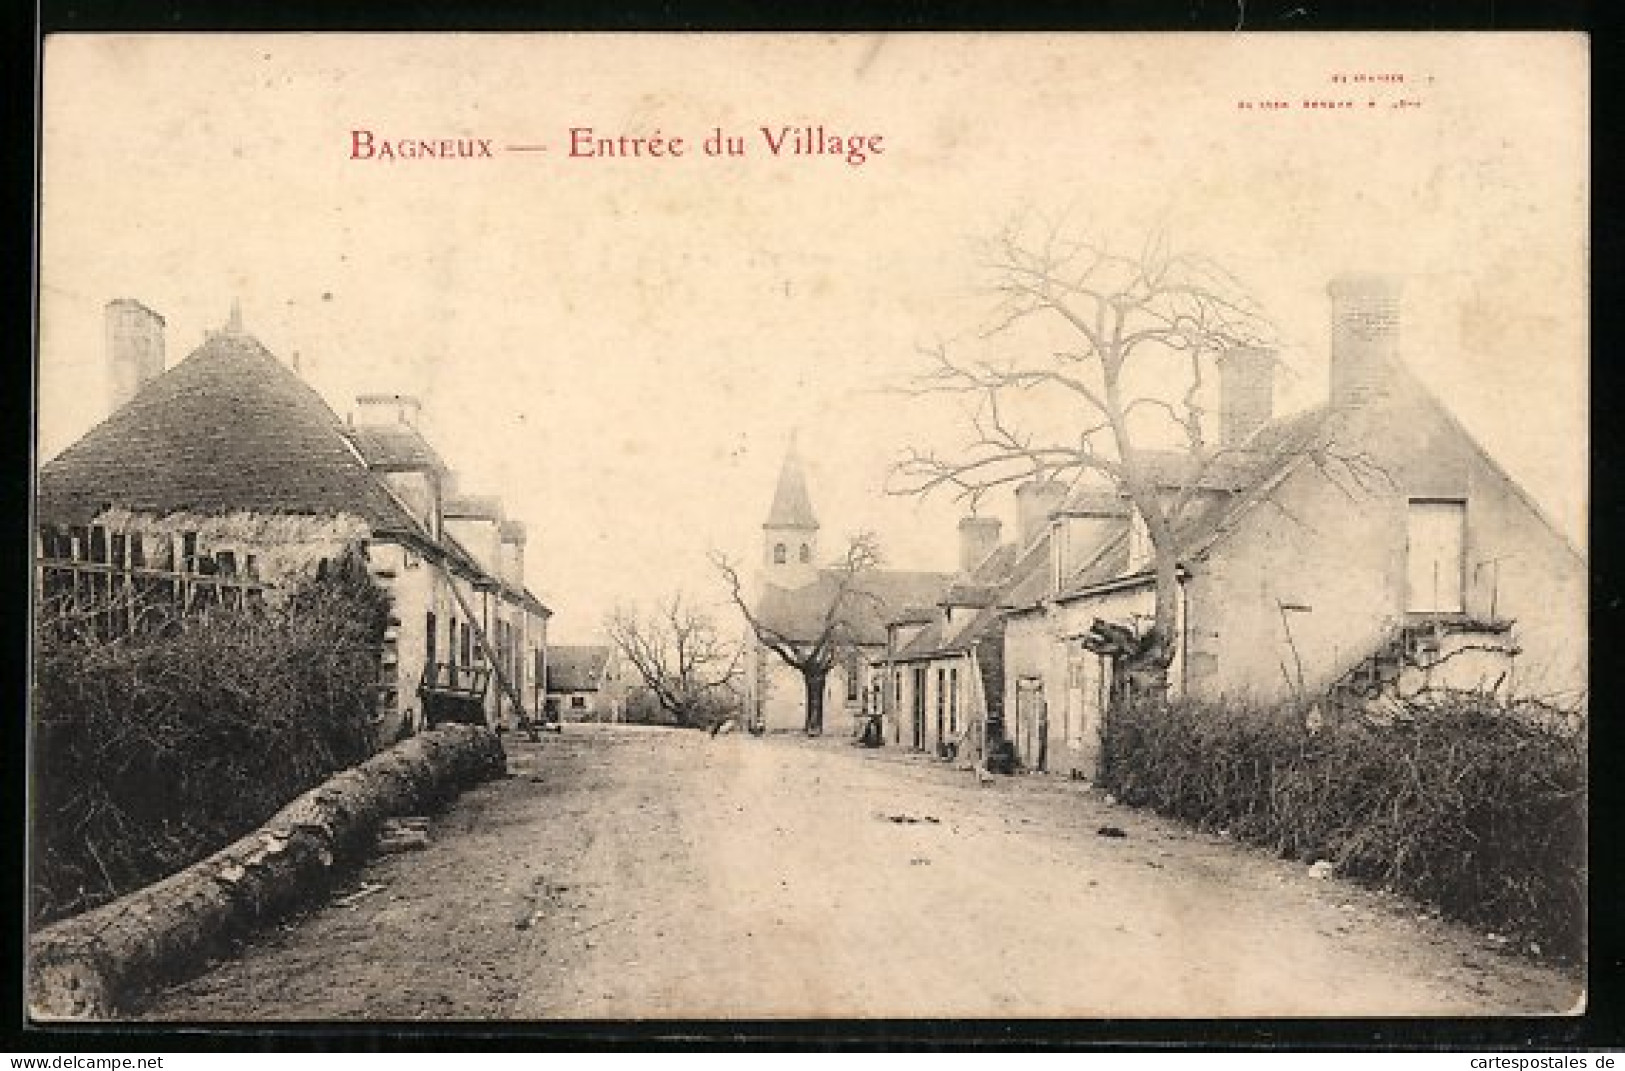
(585, 143)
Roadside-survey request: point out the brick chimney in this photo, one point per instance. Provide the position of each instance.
(135, 348)
(978, 537)
(1246, 393)
(372, 410)
(1365, 337)
(1036, 502)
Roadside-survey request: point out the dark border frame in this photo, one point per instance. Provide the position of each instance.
(1600, 1026)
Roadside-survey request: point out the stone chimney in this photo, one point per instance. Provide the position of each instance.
(1246, 393)
(513, 552)
(135, 348)
(978, 537)
(1036, 502)
(372, 410)
(1365, 337)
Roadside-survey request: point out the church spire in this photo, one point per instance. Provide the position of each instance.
(792, 506)
(790, 534)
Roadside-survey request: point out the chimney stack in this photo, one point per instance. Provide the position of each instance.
(372, 410)
(1246, 392)
(1365, 337)
(978, 537)
(135, 347)
(1036, 502)
(513, 552)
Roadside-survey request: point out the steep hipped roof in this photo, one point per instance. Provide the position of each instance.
(228, 428)
(576, 667)
(798, 613)
(792, 506)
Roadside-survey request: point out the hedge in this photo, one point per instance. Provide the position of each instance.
(152, 750)
(1465, 804)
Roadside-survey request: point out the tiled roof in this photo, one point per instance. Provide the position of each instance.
(575, 667)
(994, 568)
(229, 428)
(472, 507)
(1277, 448)
(1238, 482)
(913, 615)
(1025, 578)
(798, 614)
(1110, 561)
(927, 640)
(965, 593)
(395, 448)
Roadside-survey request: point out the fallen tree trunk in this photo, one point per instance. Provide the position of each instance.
(92, 965)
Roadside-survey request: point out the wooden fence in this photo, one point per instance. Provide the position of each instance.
(117, 583)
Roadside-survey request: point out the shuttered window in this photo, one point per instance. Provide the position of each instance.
(1436, 549)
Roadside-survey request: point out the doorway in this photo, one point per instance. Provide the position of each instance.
(917, 706)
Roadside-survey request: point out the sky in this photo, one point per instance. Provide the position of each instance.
(621, 346)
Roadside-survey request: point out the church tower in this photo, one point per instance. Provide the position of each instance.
(790, 534)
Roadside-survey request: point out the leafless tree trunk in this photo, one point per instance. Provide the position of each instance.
(1092, 330)
(814, 656)
(94, 965)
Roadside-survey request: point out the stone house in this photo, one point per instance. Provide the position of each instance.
(941, 687)
(587, 682)
(232, 456)
(1362, 551)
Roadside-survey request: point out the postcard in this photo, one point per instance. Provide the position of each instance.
(562, 527)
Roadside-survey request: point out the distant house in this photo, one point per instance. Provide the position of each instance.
(1362, 551)
(586, 682)
(228, 463)
(794, 597)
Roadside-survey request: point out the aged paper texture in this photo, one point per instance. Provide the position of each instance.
(944, 394)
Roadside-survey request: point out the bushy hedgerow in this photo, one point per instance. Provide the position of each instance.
(1466, 804)
(151, 751)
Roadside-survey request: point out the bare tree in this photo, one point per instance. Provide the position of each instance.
(683, 659)
(815, 653)
(1121, 347)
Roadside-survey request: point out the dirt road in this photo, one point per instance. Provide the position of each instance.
(625, 872)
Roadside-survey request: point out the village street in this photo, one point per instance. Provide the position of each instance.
(630, 872)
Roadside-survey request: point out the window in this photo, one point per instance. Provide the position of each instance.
(806, 553)
(428, 649)
(942, 699)
(953, 700)
(778, 554)
(1436, 555)
(851, 676)
(578, 702)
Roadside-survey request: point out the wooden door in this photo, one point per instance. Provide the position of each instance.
(1029, 722)
(919, 707)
